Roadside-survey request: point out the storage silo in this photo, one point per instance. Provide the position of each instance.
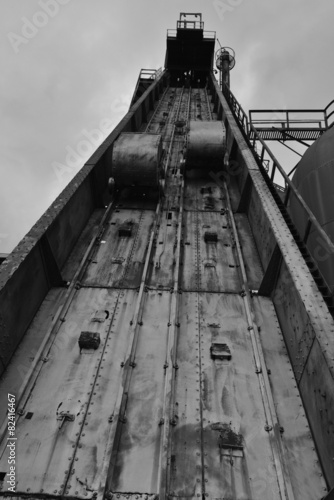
(314, 179)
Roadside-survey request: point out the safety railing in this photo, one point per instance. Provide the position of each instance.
(237, 109)
(150, 74)
(293, 118)
(329, 112)
(207, 35)
(274, 170)
(190, 25)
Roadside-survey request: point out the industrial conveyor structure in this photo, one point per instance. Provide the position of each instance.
(163, 335)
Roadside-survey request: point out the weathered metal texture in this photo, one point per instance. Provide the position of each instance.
(73, 219)
(232, 401)
(311, 351)
(91, 453)
(299, 333)
(25, 268)
(294, 426)
(136, 160)
(21, 361)
(314, 178)
(50, 449)
(155, 360)
(3, 256)
(77, 254)
(161, 272)
(269, 229)
(208, 266)
(201, 194)
(31, 277)
(136, 460)
(186, 450)
(249, 250)
(118, 261)
(185, 45)
(317, 382)
(265, 234)
(206, 145)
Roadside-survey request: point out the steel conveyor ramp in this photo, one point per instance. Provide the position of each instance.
(152, 366)
(190, 391)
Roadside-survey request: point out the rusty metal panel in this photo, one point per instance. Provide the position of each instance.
(306, 479)
(201, 194)
(262, 231)
(172, 187)
(208, 266)
(161, 273)
(47, 445)
(219, 447)
(118, 261)
(237, 450)
(232, 183)
(79, 249)
(206, 145)
(65, 230)
(93, 446)
(317, 389)
(186, 452)
(136, 159)
(23, 357)
(136, 465)
(298, 332)
(249, 251)
(17, 307)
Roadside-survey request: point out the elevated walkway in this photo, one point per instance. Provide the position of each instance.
(290, 124)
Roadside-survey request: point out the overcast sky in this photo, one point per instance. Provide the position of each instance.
(69, 67)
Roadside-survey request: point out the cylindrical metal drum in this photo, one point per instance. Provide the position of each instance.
(314, 179)
(136, 160)
(206, 145)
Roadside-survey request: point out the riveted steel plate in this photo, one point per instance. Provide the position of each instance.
(77, 384)
(120, 261)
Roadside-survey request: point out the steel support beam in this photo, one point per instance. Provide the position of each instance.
(245, 196)
(270, 277)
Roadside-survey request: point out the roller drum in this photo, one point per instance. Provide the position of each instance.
(136, 160)
(206, 145)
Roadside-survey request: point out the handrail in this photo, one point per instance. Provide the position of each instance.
(287, 120)
(172, 33)
(328, 115)
(185, 24)
(150, 74)
(290, 121)
(237, 109)
(291, 188)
